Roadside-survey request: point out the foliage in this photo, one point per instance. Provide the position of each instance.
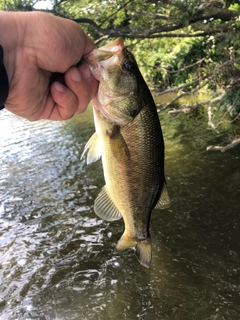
(231, 102)
(177, 34)
(179, 44)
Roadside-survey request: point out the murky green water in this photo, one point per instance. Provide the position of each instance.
(57, 259)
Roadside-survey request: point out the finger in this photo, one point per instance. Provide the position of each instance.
(61, 104)
(73, 99)
(82, 83)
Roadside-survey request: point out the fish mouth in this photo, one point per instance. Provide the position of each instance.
(114, 46)
(104, 57)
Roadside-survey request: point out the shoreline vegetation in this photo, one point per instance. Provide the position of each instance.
(188, 50)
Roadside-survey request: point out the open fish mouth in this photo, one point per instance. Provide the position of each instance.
(114, 46)
(105, 57)
(106, 51)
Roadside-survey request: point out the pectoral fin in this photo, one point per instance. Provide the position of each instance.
(105, 208)
(164, 200)
(94, 150)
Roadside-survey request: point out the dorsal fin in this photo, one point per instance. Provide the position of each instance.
(164, 200)
(105, 208)
(94, 150)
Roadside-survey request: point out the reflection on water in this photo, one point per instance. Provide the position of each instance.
(57, 259)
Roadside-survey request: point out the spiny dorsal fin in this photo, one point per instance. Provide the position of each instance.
(164, 200)
(105, 208)
(94, 150)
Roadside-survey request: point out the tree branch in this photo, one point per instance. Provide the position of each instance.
(149, 14)
(210, 115)
(163, 31)
(195, 82)
(188, 67)
(175, 89)
(192, 92)
(215, 14)
(115, 12)
(231, 145)
(188, 107)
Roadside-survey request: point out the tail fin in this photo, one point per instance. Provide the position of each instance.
(143, 249)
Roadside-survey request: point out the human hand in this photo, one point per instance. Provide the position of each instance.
(36, 47)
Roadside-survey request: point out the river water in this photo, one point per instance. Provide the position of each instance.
(57, 258)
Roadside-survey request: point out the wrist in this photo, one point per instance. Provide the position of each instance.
(11, 39)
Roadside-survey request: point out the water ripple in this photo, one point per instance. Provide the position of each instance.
(57, 259)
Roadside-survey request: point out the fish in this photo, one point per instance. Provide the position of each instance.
(129, 141)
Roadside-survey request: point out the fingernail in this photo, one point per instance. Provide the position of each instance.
(86, 73)
(58, 87)
(75, 75)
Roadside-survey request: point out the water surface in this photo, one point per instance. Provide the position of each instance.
(57, 258)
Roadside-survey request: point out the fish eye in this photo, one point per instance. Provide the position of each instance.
(127, 65)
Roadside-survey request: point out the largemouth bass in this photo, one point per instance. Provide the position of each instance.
(129, 139)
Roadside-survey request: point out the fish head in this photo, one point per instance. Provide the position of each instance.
(113, 66)
(116, 69)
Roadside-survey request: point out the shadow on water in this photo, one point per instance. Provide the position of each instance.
(57, 259)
